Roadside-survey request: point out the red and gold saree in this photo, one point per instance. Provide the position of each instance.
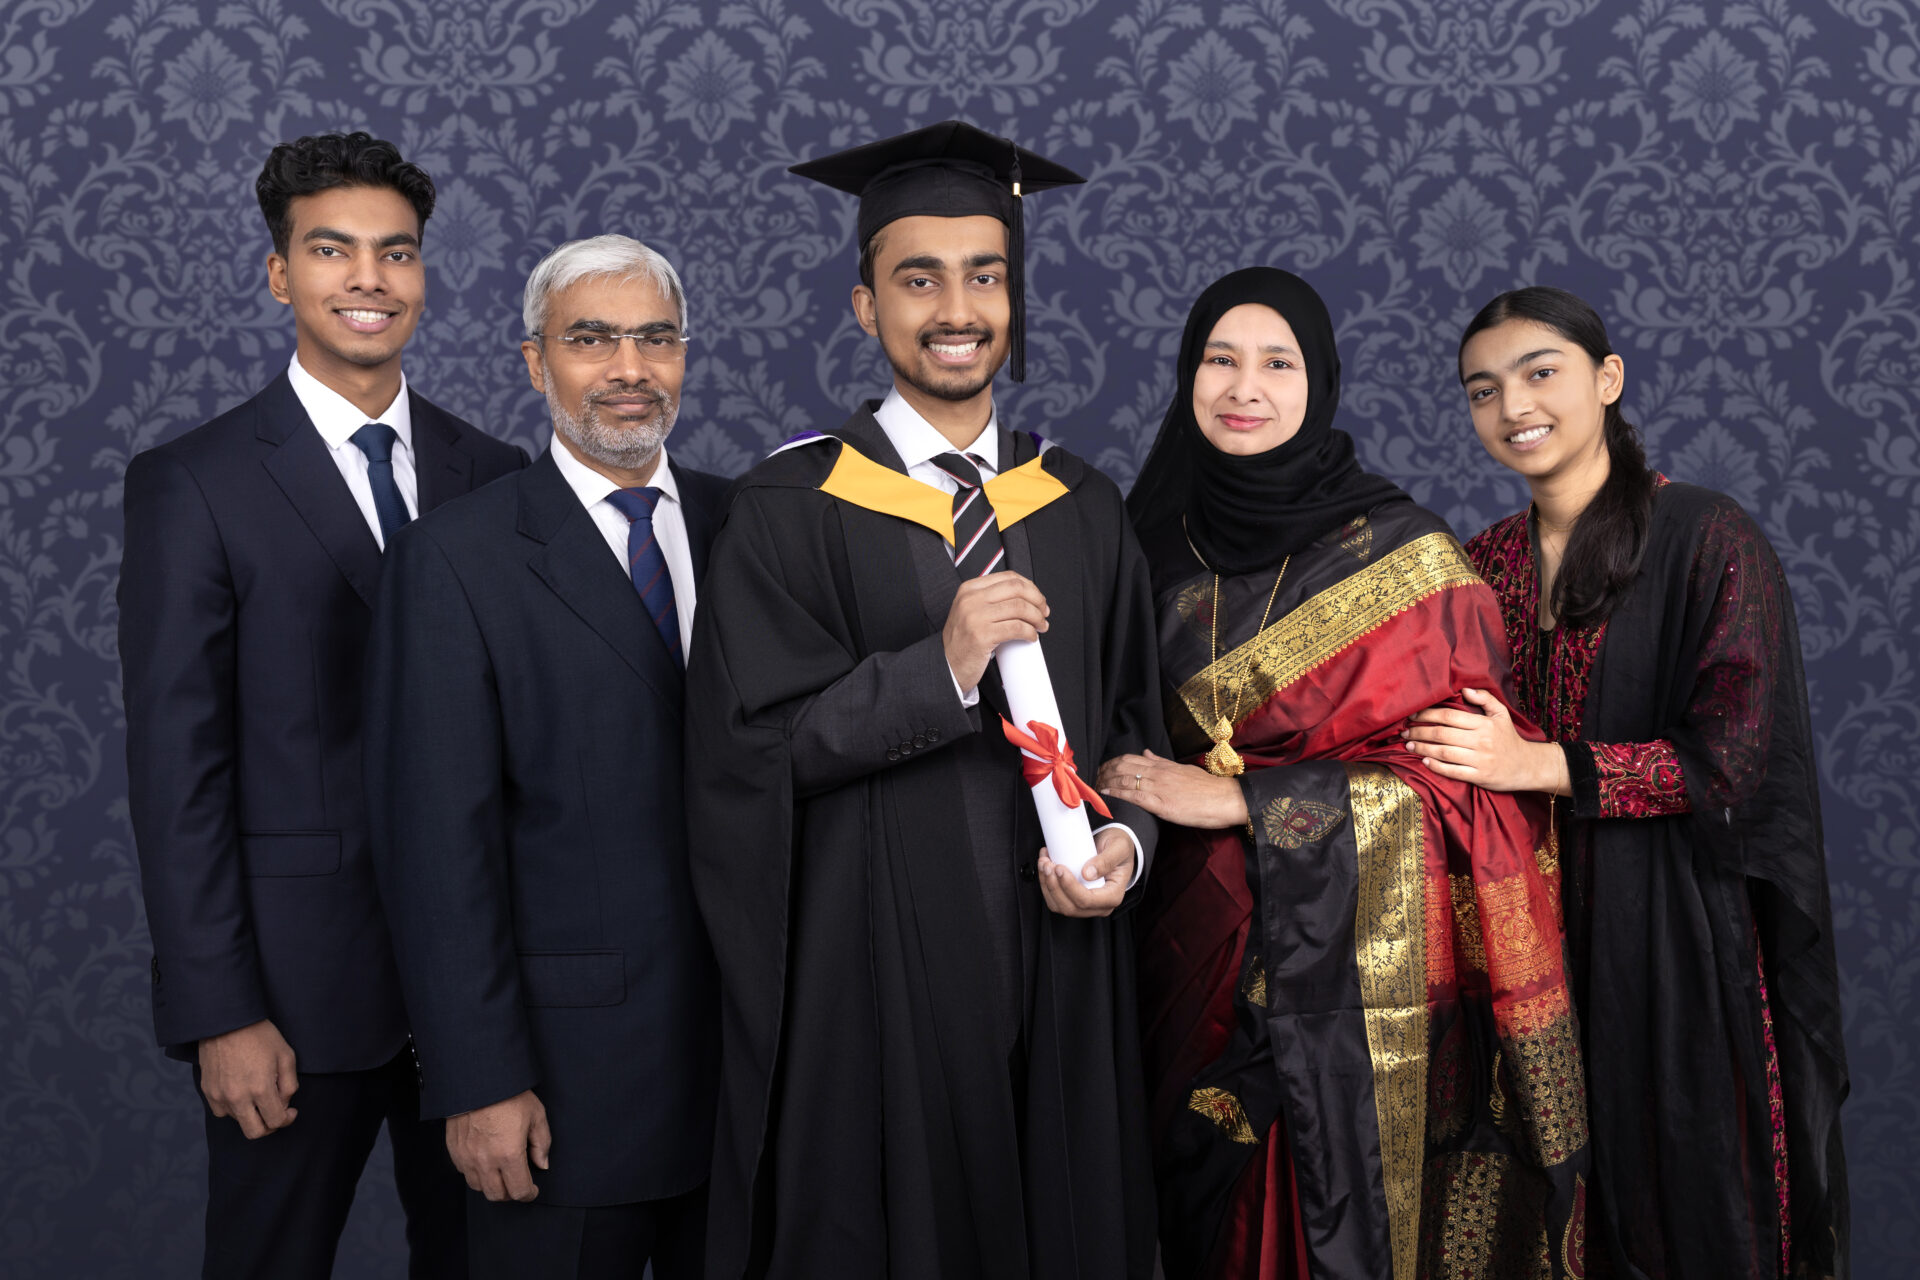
(1362, 1057)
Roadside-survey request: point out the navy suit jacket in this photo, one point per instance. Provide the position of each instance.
(523, 775)
(246, 590)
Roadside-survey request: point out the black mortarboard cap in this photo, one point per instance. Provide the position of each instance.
(948, 170)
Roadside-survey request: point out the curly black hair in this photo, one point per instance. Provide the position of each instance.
(324, 161)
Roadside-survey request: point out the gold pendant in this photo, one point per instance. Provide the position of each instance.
(1223, 761)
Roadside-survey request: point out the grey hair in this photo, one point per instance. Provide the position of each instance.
(621, 257)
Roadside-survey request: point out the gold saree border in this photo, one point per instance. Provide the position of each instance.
(1326, 624)
(1390, 944)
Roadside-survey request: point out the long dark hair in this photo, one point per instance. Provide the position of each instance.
(1609, 538)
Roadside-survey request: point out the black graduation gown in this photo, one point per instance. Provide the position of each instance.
(874, 1119)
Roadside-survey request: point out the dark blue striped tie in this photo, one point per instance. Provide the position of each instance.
(976, 532)
(376, 440)
(648, 565)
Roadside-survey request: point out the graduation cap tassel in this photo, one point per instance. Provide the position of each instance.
(1017, 277)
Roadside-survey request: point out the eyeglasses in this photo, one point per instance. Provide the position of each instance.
(592, 346)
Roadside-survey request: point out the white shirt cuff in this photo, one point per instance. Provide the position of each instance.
(1139, 861)
(966, 699)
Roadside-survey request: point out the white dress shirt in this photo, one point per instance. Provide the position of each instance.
(669, 525)
(918, 442)
(336, 419)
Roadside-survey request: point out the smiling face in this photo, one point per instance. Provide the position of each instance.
(353, 277)
(614, 409)
(1250, 392)
(1538, 400)
(939, 304)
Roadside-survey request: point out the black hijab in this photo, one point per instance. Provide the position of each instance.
(1246, 513)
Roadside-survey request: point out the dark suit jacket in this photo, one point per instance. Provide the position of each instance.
(523, 732)
(246, 589)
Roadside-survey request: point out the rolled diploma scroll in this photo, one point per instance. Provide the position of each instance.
(1023, 674)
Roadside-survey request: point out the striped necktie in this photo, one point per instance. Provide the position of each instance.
(648, 564)
(976, 534)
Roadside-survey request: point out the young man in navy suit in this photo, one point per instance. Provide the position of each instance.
(523, 779)
(253, 555)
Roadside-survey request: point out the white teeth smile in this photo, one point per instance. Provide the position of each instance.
(1529, 435)
(365, 317)
(963, 349)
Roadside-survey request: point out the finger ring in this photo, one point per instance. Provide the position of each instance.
(1136, 782)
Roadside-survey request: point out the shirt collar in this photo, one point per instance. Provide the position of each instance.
(335, 417)
(593, 488)
(916, 440)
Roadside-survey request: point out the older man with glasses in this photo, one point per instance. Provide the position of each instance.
(523, 775)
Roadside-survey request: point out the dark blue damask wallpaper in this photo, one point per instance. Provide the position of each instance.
(1736, 185)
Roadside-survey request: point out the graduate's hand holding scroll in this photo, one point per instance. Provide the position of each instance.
(985, 613)
(491, 1145)
(1066, 895)
(1173, 792)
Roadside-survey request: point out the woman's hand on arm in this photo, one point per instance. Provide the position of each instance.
(1483, 747)
(1184, 794)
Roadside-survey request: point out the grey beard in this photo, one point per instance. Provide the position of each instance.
(630, 449)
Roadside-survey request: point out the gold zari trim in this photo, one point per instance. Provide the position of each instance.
(1390, 943)
(1328, 623)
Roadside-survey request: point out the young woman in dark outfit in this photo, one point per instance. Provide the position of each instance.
(1653, 639)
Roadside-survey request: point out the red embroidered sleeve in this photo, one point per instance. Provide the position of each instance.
(1639, 779)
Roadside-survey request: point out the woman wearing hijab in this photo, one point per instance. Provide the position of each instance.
(1654, 641)
(1358, 1032)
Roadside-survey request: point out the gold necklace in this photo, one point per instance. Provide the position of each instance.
(1223, 761)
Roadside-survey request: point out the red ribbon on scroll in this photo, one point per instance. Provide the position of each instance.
(1046, 756)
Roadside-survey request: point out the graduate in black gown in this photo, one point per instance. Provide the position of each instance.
(930, 1062)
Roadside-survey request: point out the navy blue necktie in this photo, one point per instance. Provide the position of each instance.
(648, 564)
(376, 440)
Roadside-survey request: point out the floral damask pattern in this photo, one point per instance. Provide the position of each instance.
(1735, 183)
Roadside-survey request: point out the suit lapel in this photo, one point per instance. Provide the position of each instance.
(442, 469)
(699, 516)
(301, 465)
(576, 565)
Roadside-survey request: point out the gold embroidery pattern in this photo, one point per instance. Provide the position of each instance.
(1466, 922)
(1447, 1103)
(1487, 1220)
(1293, 824)
(1359, 543)
(1327, 624)
(1497, 1099)
(1255, 987)
(1573, 1245)
(1471, 1205)
(1544, 1061)
(1195, 607)
(1440, 969)
(1224, 1110)
(1547, 858)
(1516, 948)
(1534, 1016)
(1390, 943)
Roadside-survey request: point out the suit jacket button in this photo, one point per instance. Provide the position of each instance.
(892, 754)
(906, 748)
(920, 741)
(156, 971)
(1029, 872)
(933, 735)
